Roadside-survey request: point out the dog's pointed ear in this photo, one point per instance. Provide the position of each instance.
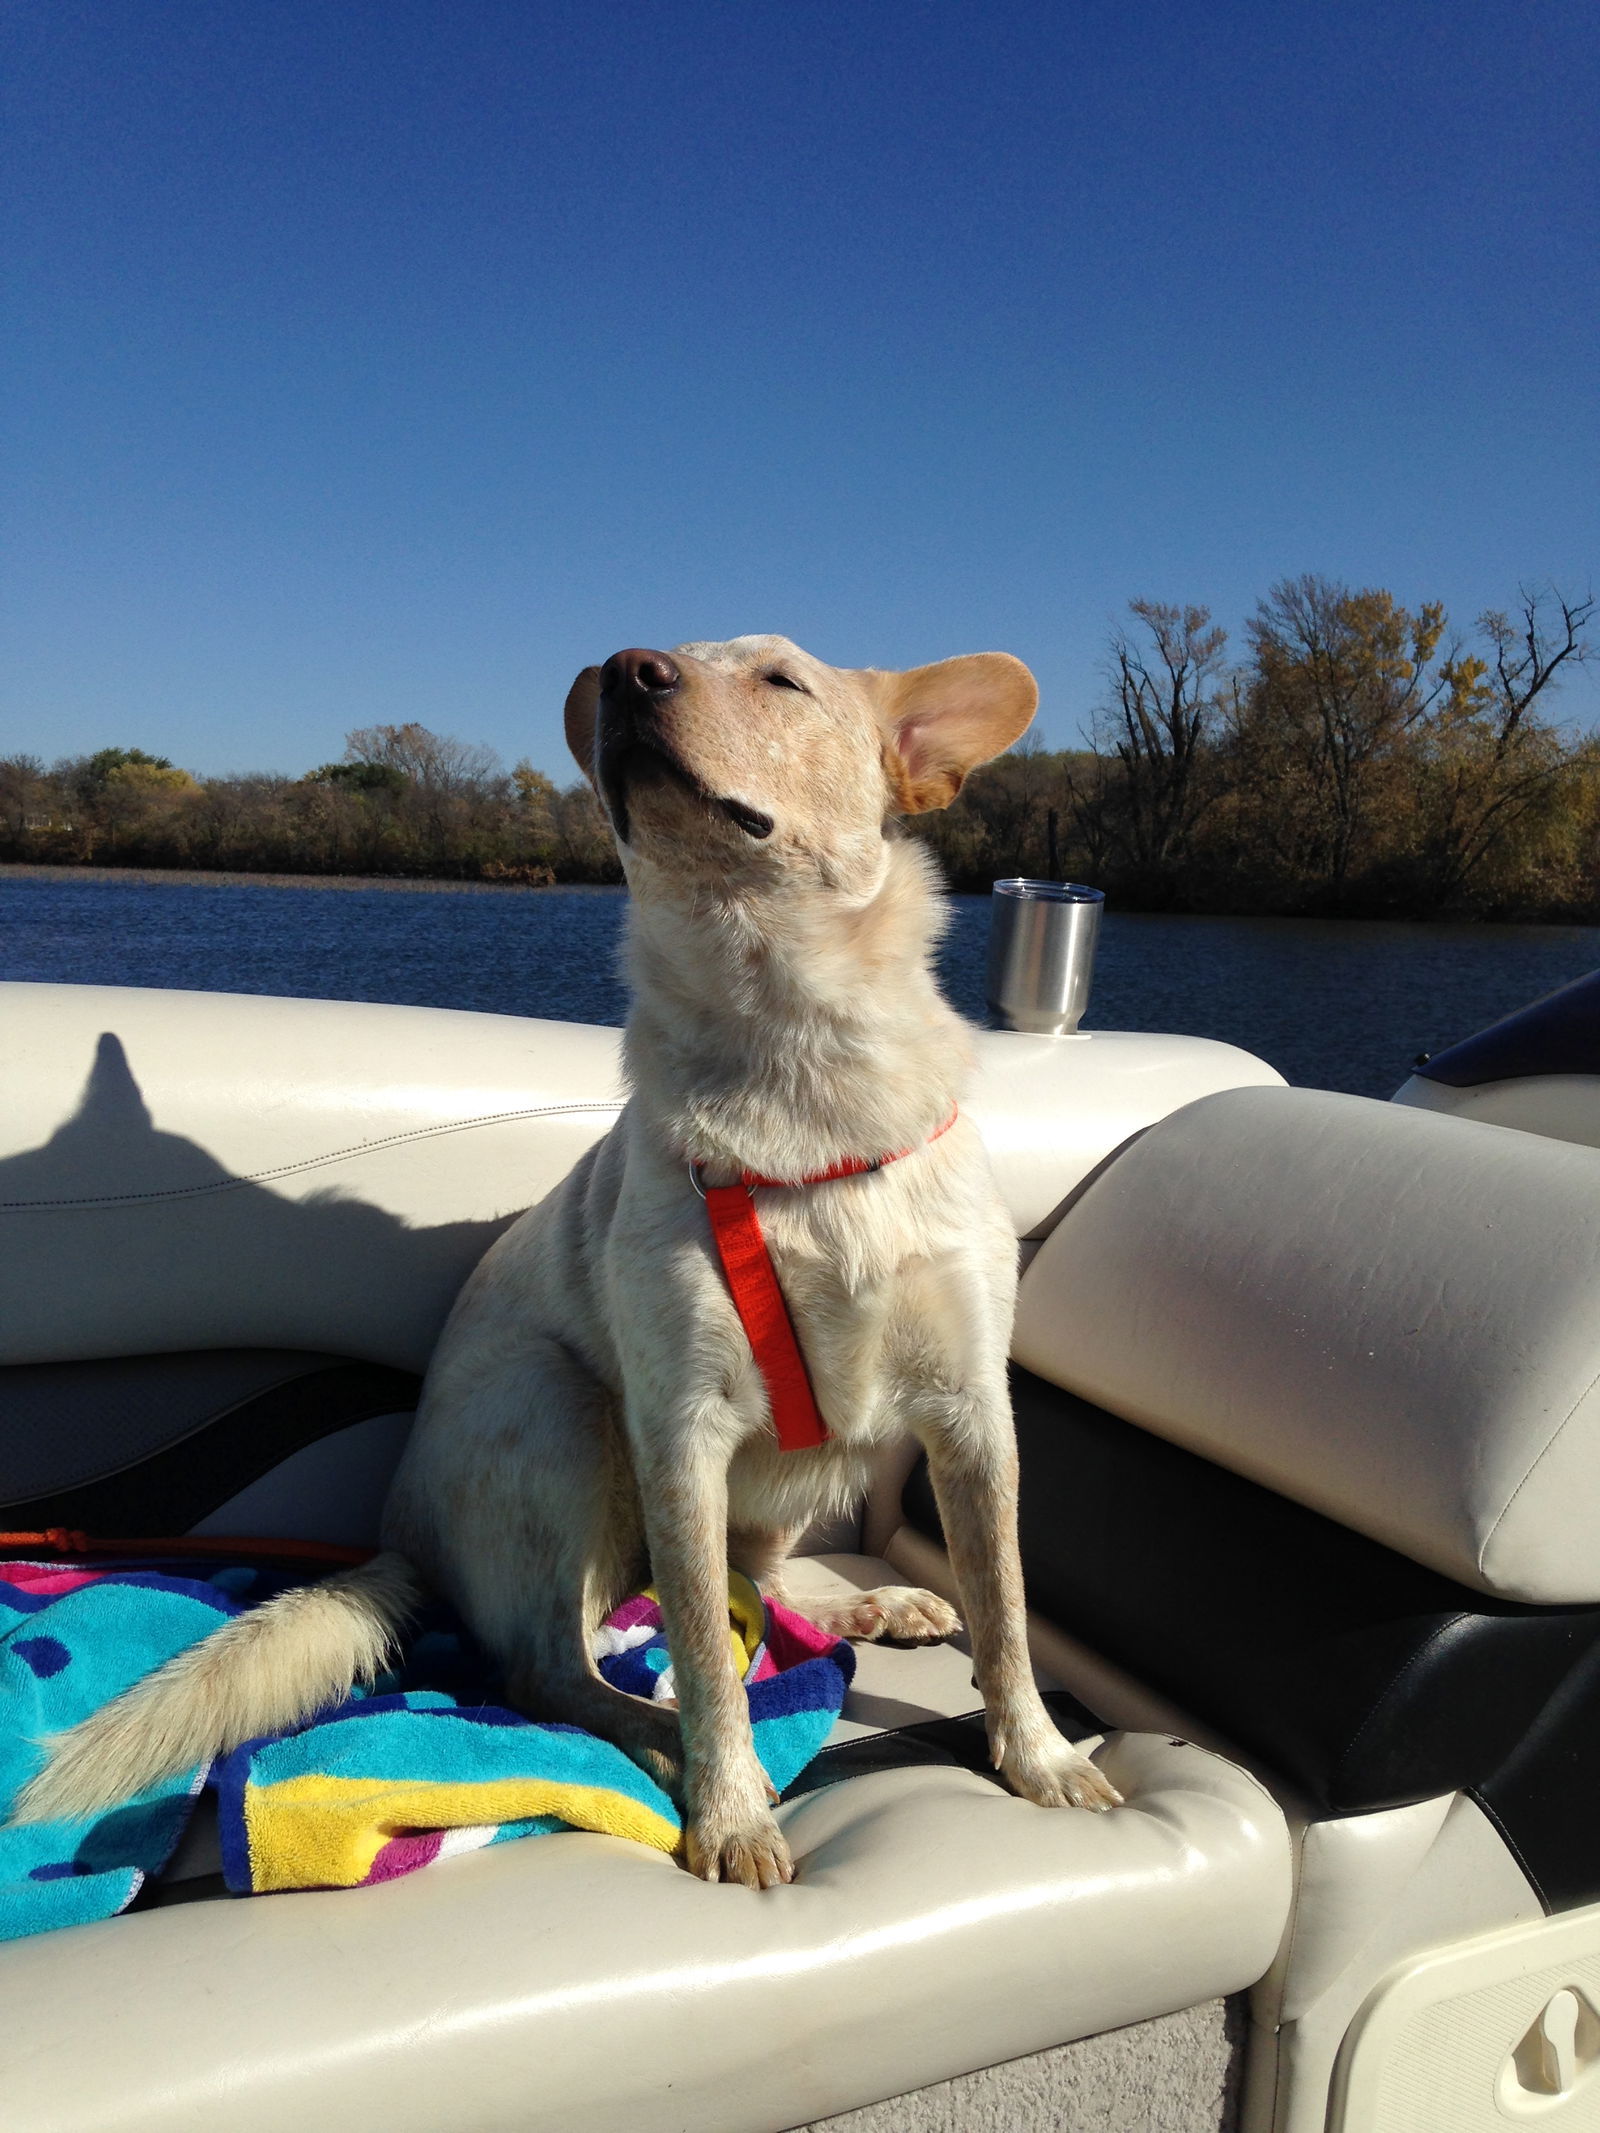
(944, 720)
(582, 709)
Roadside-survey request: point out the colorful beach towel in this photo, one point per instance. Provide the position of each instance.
(426, 1765)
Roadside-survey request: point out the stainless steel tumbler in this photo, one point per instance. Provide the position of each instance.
(1042, 938)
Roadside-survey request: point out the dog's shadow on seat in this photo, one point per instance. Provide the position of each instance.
(888, 1712)
(118, 1238)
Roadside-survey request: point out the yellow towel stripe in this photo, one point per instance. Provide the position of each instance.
(749, 1622)
(325, 1832)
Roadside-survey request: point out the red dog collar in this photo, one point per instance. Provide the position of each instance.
(753, 1284)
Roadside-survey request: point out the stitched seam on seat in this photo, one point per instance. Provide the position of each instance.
(311, 1162)
(1292, 1934)
(1488, 1538)
(1493, 1816)
(1390, 1692)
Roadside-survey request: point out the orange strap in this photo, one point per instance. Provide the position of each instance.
(753, 1285)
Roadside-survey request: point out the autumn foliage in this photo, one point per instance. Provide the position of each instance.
(1359, 761)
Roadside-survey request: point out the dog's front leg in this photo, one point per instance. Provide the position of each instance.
(972, 1461)
(731, 1834)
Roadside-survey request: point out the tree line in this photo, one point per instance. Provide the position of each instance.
(1359, 759)
(403, 802)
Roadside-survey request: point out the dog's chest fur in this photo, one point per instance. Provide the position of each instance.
(891, 1305)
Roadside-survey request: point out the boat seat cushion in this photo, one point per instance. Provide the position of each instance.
(937, 1924)
(1386, 1314)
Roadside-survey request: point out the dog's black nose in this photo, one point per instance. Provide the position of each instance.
(637, 673)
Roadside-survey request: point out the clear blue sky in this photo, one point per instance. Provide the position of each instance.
(389, 359)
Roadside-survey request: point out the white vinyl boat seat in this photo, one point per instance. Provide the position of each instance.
(1368, 1680)
(1308, 1401)
(227, 1238)
(1381, 1312)
(1306, 1391)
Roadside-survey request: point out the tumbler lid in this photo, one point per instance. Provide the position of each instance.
(1048, 892)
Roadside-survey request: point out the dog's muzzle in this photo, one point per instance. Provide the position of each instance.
(633, 686)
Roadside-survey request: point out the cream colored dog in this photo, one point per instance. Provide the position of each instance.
(593, 1415)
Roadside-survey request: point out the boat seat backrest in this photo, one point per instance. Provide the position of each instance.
(186, 1170)
(201, 1170)
(1385, 1314)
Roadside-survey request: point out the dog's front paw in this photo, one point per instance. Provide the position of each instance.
(747, 1848)
(904, 1613)
(1055, 1774)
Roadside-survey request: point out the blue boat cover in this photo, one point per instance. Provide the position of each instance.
(1559, 1034)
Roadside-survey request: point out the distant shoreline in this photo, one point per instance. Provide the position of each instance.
(236, 878)
(233, 878)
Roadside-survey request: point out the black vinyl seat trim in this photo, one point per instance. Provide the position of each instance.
(1368, 1679)
(65, 1424)
(1559, 1034)
(174, 1488)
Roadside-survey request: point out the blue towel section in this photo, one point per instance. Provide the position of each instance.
(426, 1766)
(792, 1714)
(71, 1640)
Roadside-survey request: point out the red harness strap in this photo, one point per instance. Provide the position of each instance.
(753, 1285)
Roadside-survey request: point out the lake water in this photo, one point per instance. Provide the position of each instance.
(1335, 1005)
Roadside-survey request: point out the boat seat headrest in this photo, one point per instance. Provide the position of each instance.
(1389, 1315)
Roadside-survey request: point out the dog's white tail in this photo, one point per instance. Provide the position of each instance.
(263, 1672)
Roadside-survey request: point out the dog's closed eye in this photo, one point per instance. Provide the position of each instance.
(779, 680)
